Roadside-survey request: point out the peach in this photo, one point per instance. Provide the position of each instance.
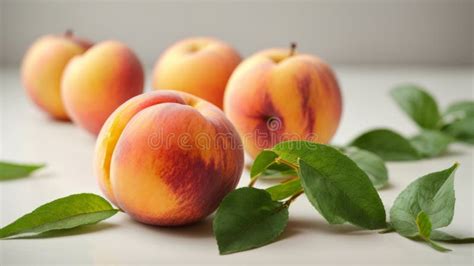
(168, 158)
(278, 95)
(43, 66)
(200, 66)
(97, 82)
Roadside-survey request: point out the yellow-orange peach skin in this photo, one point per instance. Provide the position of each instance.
(200, 66)
(43, 66)
(168, 158)
(275, 95)
(97, 82)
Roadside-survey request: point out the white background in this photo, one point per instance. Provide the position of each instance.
(340, 31)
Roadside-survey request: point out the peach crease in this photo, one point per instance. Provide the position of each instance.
(113, 128)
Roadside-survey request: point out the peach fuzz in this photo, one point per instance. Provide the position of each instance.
(278, 95)
(43, 66)
(200, 66)
(168, 158)
(97, 82)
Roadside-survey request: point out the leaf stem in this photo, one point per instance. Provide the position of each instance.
(387, 230)
(289, 179)
(277, 160)
(293, 198)
(253, 180)
(288, 163)
(435, 245)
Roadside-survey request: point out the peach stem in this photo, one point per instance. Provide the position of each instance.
(293, 46)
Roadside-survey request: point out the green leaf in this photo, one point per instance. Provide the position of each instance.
(9, 170)
(334, 184)
(460, 110)
(445, 237)
(262, 162)
(265, 167)
(373, 165)
(277, 174)
(430, 143)
(63, 213)
(462, 130)
(418, 104)
(285, 190)
(248, 218)
(432, 194)
(387, 144)
(423, 224)
(334, 199)
(459, 119)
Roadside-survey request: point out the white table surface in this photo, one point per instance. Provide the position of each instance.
(27, 135)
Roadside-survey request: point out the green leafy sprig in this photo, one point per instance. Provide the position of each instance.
(426, 205)
(340, 189)
(437, 129)
(333, 183)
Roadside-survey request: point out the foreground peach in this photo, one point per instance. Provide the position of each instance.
(168, 158)
(278, 95)
(43, 66)
(96, 83)
(200, 66)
